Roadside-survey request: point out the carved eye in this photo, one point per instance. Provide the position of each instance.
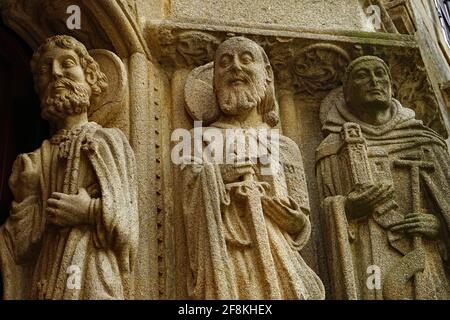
(361, 75)
(380, 73)
(43, 69)
(68, 63)
(225, 60)
(246, 58)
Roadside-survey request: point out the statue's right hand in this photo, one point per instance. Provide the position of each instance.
(364, 200)
(25, 179)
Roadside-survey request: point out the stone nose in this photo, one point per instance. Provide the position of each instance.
(373, 78)
(236, 64)
(56, 70)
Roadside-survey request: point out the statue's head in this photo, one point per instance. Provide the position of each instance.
(67, 79)
(243, 79)
(367, 84)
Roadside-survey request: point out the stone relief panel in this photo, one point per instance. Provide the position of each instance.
(309, 66)
(189, 48)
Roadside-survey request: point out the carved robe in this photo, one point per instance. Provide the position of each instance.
(231, 257)
(355, 247)
(42, 261)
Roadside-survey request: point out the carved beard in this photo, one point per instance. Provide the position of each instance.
(234, 99)
(74, 100)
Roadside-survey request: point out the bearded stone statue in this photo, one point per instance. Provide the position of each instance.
(73, 226)
(245, 227)
(383, 177)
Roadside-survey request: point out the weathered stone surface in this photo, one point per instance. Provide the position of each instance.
(309, 14)
(73, 227)
(158, 58)
(245, 227)
(382, 175)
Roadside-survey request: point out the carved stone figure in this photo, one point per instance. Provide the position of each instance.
(73, 226)
(383, 177)
(245, 227)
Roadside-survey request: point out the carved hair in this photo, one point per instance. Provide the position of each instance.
(268, 107)
(96, 79)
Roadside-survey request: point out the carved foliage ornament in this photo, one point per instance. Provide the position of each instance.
(319, 67)
(412, 87)
(188, 48)
(312, 68)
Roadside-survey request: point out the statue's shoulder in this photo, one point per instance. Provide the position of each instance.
(329, 146)
(98, 131)
(112, 139)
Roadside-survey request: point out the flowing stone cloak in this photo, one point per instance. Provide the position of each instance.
(223, 256)
(39, 260)
(355, 245)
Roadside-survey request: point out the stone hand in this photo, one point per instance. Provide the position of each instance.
(419, 223)
(234, 172)
(363, 201)
(286, 213)
(25, 179)
(68, 210)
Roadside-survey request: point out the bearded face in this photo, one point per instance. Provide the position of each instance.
(240, 77)
(62, 84)
(64, 97)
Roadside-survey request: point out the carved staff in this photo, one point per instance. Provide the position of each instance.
(413, 263)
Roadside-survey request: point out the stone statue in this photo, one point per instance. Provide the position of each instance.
(73, 226)
(244, 227)
(383, 178)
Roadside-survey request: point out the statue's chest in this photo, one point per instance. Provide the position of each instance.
(63, 171)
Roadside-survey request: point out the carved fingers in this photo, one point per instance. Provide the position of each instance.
(25, 179)
(285, 213)
(363, 201)
(68, 210)
(234, 172)
(419, 223)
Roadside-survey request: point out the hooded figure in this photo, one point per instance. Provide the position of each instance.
(387, 224)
